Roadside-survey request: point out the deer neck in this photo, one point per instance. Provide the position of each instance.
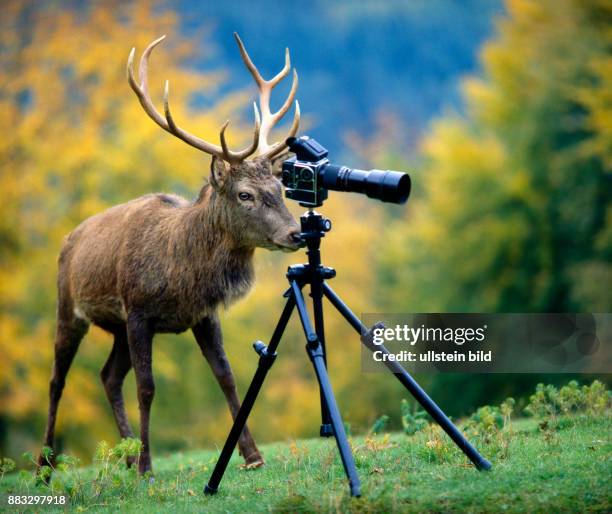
(209, 242)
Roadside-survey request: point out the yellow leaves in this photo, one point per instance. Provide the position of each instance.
(597, 99)
(461, 163)
(79, 392)
(375, 443)
(521, 172)
(9, 330)
(298, 452)
(165, 365)
(18, 364)
(294, 400)
(538, 49)
(524, 9)
(78, 142)
(12, 288)
(433, 444)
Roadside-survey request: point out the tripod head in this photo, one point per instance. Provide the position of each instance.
(314, 225)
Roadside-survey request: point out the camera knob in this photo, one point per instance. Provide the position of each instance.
(307, 173)
(326, 225)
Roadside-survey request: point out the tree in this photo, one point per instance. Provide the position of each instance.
(516, 213)
(76, 142)
(512, 211)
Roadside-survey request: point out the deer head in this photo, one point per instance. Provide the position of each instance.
(245, 185)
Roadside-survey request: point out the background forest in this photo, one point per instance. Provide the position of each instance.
(502, 113)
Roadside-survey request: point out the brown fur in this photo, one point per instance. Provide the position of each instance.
(160, 263)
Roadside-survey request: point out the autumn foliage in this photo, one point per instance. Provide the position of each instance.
(78, 143)
(511, 212)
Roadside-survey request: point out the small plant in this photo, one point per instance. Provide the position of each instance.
(6, 466)
(374, 444)
(597, 398)
(111, 460)
(68, 478)
(493, 426)
(437, 446)
(61, 474)
(544, 404)
(571, 398)
(507, 408)
(380, 424)
(347, 428)
(547, 403)
(413, 419)
(44, 471)
(299, 453)
(486, 423)
(489, 418)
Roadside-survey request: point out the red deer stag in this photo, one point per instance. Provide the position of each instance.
(160, 263)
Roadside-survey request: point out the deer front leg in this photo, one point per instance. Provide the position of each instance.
(140, 339)
(116, 368)
(208, 335)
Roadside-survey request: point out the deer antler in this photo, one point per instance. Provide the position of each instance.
(167, 121)
(269, 119)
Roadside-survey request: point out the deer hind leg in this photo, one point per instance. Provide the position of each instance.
(69, 333)
(113, 374)
(210, 340)
(140, 342)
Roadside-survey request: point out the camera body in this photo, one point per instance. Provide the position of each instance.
(301, 174)
(309, 175)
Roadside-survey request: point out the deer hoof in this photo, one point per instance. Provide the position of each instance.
(253, 461)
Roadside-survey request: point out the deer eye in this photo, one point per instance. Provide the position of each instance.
(245, 197)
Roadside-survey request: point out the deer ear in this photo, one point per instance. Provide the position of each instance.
(276, 163)
(219, 171)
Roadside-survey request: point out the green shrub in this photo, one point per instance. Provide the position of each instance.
(507, 408)
(544, 403)
(597, 398)
(491, 426)
(487, 419)
(6, 466)
(413, 419)
(437, 446)
(547, 402)
(380, 424)
(112, 474)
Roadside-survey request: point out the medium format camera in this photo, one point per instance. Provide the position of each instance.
(309, 175)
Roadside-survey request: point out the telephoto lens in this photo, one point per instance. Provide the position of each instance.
(384, 185)
(309, 175)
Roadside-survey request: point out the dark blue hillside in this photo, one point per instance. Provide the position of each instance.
(354, 58)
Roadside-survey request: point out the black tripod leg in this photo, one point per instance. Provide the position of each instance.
(315, 352)
(410, 383)
(266, 359)
(316, 291)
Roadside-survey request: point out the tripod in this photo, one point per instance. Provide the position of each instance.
(313, 228)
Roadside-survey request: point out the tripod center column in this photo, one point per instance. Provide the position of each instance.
(314, 226)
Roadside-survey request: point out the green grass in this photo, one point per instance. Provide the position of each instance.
(568, 469)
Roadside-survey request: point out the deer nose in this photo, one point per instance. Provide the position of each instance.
(296, 238)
